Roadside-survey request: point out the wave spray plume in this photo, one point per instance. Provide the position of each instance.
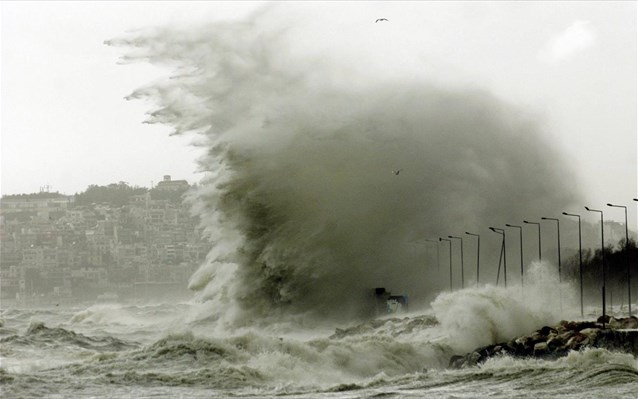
(300, 202)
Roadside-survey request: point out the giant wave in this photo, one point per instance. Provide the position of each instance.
(299, 199)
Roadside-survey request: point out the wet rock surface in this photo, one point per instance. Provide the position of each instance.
(553, 342)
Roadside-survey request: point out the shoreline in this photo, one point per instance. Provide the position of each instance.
(552, 342)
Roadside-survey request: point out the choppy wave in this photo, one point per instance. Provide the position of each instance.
(39, 335)
(577, 373)
(252, 360)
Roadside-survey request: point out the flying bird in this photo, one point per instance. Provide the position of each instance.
(381, 19)
(396, 172)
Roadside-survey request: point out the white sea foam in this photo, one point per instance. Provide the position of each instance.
(476, 317)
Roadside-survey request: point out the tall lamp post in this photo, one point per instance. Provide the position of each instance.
(558, 232)
(462, 273)
(560, 280)
(478, 254)
(438, 261)
(602, 247)
(520, 231)
(580, 261)
(503, 255)
(626, 255)
(539, 237)
(450, 241)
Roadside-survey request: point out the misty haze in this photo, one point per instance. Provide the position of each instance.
(408, 200)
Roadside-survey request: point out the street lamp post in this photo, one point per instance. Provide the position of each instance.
(626, 256)
(520, 231)
(580, 261)
(560, 280)
(558, 230)
(450, 241)
(462, 273)
(602, 245)
(503, 255)
(478, 254)
(539, 237)
(438, 262)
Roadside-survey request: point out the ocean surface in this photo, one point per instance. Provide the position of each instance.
(162, 351)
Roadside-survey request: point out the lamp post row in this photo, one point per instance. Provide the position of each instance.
(580, 255)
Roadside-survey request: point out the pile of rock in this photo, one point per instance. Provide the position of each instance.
(553, 342)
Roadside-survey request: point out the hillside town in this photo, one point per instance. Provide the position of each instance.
(112, 243)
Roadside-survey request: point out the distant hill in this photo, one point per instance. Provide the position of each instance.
(116, 194)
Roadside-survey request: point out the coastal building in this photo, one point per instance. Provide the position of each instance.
(172, 185)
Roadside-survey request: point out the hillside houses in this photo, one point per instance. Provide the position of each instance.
(56, 248)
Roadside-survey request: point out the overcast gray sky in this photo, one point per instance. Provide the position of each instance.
(65, 122)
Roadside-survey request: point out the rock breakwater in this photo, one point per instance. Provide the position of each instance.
(553, 342)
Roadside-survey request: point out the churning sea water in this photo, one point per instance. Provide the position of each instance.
(159, 351)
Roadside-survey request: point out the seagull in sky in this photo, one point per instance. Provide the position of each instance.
(396, 172)
(381, 19)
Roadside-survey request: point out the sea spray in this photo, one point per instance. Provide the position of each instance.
(300, 203)
(476, 317)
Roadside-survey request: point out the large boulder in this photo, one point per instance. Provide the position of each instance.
(541, 349)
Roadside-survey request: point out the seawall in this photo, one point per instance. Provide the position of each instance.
(556, 341)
